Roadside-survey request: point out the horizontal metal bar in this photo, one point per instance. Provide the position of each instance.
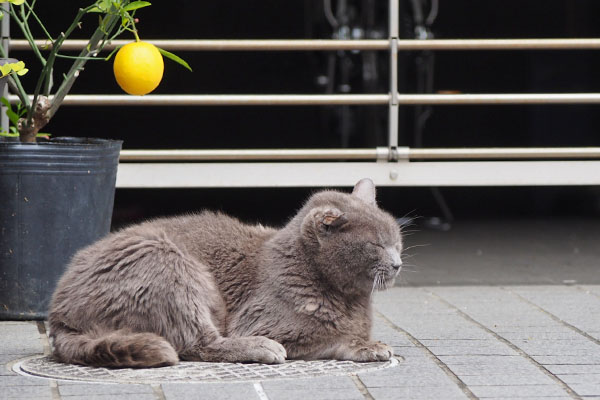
(250, 155)
(507, 153)
(332, 45)
(322, 99)
(512, 153)
(338, 174)
(222, 100)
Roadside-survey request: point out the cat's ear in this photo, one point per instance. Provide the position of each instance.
(365, 190)
(323, 220)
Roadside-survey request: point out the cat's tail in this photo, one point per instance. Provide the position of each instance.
(116, 349)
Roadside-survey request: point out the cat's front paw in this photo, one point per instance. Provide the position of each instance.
(264, 350)
(371, 351)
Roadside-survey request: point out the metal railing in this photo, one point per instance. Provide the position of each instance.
(441, 163)
(369, 154)
(327, 99)
(334, 45)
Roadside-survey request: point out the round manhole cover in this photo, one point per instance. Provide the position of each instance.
(45, 367)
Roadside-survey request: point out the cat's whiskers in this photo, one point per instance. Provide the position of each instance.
(374, 284)
(416, 245)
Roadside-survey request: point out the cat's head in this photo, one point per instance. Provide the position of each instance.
(351, 241)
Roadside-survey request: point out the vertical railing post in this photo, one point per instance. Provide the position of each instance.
(5, 37)
(394, 20)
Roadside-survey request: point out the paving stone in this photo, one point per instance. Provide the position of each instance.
(510, 379)
(210, 391)
(577, 347)
(559, 369)
(25, 392)
(406, 380)
(468, 347)
(415, 392)
(536, 398)
(324, 382)
(500, 350)
(580, 378)
(316, 394)
(406, 352)
(126, 396)
(495, 369)
(339, 387)
(573, 360)
(20, 338)
(103, 389)
(586, 389)
(554, 336)
(504, 361)
(565, 303)
(518, 390)
(18, 380)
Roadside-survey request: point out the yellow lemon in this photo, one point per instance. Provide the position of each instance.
(138, 68)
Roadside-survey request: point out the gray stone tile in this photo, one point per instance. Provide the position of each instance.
(468, 347)
(125, 396)
(580, 378)
(501, 361)
(406, 380)
(518, 390)
(323, 382)
(88, 389)
(510, 379)
(536, 398)
(336, 387)
(494, 369)
(409, 352)
(573, 369)
(416, 392)
(18, 380)
(316, 394)
(540, 335)
(210, 391)
(577, 347)
(20, 338)
(565, 303)
(586, 389)
(26, 392)
(473, 351)
(593, 359)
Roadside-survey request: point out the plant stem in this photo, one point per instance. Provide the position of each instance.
(16, 83)
(32, 12)
(78, 64)
(25, 30)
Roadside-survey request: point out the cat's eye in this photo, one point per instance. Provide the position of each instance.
(376, 245)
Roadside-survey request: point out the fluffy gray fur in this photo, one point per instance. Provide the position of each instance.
(207, 287)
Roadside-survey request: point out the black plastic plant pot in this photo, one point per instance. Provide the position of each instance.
(56, 197)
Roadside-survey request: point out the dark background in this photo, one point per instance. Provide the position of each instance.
(299, 72)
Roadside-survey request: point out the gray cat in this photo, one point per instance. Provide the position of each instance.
(206, 287)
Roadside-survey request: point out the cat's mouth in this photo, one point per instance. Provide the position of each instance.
(383, 278)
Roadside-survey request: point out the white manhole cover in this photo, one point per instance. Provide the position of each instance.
(44, 367)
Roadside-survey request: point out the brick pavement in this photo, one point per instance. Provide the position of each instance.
(458, 342)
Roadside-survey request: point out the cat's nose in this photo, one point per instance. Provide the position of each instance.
(397, 266)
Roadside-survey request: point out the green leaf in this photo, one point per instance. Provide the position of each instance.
(135, 5)
(95, 10)
(104, 5)
(175, 58)
(5, 101)
(13, 116)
